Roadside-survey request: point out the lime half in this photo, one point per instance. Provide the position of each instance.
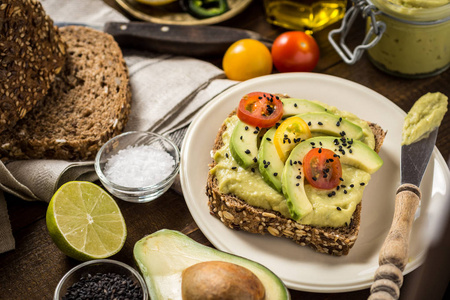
(85, 222)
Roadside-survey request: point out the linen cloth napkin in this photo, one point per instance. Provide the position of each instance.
(167, 91)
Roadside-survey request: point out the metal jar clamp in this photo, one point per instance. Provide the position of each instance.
(372, 37)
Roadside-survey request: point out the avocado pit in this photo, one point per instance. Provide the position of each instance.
(221, 281)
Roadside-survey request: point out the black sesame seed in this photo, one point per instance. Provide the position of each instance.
(253, 170)
(247, 151)
(241, 137)
(256, 132)
(320, 150)
(338, 208)
(297, 184)
(312, 143)
(345, 191)
(362, 184)
(341, 179)
(314, 178)
(298, 177)
(320, 123)
(226, 155)
(255, 159)
(309, 123)
(295, 104)
(275, 174)
(246, 127)
(234, 168)
(269, 139)
(352, 185)
(338, 124)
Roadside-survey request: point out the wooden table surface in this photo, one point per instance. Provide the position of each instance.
(33, 269)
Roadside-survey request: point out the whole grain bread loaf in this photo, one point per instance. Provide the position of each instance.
(31, 54)
(88, 103)
(237, 214)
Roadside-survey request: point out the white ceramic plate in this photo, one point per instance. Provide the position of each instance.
(300, 267)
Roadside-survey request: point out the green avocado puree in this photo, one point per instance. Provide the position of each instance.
(420, 3)
(248, 185)
(425, 115)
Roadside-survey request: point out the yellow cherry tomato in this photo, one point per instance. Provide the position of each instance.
(246, 59)
(289, 134)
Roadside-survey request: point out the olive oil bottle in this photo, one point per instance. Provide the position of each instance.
(306, 15)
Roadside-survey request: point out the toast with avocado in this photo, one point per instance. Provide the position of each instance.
(260, 179)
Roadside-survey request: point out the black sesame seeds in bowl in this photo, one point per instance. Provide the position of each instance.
(101, 279)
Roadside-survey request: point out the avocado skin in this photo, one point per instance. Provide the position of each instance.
(166, 253)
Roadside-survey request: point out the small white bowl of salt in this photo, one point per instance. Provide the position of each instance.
(138, 166)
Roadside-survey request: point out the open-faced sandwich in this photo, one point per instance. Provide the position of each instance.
(294, 168)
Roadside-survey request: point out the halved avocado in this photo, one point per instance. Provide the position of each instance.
(350, 152)
(164, 255)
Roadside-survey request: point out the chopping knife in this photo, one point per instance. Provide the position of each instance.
(393, 256)
(198, 40)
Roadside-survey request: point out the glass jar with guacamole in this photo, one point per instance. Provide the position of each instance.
(411, 39)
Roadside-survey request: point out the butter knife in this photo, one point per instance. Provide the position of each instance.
(199, 40)
(393, 256)
(195, 40)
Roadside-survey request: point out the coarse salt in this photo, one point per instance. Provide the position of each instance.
(139, 166)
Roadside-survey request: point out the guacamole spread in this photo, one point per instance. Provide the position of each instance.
(425, 115)
(408, 48)
(249, 185)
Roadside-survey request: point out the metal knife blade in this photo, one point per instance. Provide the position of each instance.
(196, 41)
(415, 158)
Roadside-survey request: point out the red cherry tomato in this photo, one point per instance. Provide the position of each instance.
(295, 51)
(322, 168)
(260, 109)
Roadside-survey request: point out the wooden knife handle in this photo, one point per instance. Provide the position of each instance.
(394, 252)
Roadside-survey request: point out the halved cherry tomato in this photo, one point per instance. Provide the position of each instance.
(292, 131)
(260, 109)
(322, 168)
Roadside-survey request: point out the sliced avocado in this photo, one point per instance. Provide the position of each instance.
(244, 144)
(292, 106)
(244, 139)
(350, 152)
(163, 255)
(328, 124)
(270, 163)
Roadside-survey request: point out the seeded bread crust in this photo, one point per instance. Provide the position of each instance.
(237, 214)
(31, 54)
(88, 103)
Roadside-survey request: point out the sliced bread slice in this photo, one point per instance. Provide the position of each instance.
(237, 214)
(88, 103)
(31, 54)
